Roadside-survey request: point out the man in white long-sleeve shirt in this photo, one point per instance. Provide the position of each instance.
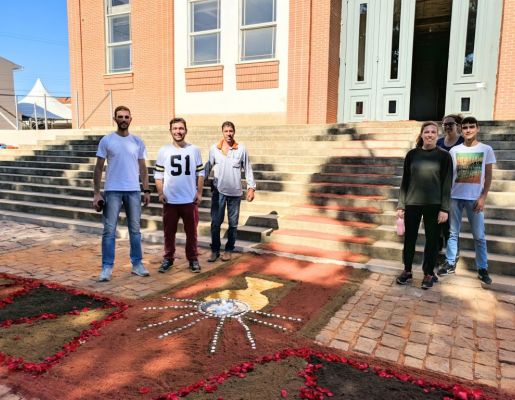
(227, 159)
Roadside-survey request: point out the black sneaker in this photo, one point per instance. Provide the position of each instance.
(166, 264)
(427, 282)
(404, 278)
(195, 266)
(482, 274)
(447, 269)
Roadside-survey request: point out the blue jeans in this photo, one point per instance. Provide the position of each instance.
(477, 225)
(218, 202)
(113, 203)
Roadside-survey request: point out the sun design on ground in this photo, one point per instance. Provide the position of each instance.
(240, 305)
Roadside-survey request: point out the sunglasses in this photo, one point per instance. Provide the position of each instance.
(449, 124)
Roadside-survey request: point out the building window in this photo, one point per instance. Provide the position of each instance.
(362, 41)
(204, 32)
(118, 37)
(258, 29)
(471, 37)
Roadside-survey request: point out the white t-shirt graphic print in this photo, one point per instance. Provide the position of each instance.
(469, 164)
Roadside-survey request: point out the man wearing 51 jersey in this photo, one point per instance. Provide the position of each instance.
(179, 177)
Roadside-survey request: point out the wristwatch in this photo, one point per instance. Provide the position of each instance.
(147, 191)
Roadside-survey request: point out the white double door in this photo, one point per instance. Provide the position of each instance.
(473, 57)
(375, 59)
(377, 50)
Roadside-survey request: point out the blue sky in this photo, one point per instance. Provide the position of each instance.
(34, 34)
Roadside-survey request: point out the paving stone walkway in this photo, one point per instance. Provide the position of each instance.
(455, 328)
(74, 258)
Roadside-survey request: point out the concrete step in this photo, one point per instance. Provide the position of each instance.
(497, 263)
(372, 169)
(286, 250)
(64, 159)
(504, 244)
(466, 278)
(320, 240)
(150, 236)
(89, 216)
(47, 164)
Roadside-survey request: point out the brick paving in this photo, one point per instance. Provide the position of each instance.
(74, 258)
(456, 328)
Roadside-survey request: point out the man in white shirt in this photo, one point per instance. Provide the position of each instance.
(179, 177)
(227, 159)
(472, 177)
(125, 155)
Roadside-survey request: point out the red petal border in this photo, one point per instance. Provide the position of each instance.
(17, 363)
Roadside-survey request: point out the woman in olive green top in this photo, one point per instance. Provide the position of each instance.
(424, 193)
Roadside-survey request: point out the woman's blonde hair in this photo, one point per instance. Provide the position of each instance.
(419, 140)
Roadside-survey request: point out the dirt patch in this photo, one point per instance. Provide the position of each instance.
(42, 300)
(349, 383)
(266, 381)
(34, 342)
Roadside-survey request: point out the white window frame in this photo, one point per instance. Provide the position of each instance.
(192, 34)
(117, 11)
(243, 28)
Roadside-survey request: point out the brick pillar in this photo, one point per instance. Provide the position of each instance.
(505, 96)
(313, 61)
(75, 46)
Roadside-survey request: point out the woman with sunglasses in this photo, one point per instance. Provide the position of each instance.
(451, 125)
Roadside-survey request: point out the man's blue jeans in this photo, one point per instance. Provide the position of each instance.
(113, 203)
(218, 202)
(477, 225)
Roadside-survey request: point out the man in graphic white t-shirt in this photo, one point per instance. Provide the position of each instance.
(125, 155)
(472, 177)
(179, 177)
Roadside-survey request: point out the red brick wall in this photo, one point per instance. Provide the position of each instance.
(505, 96)
(205, 79)
(149, 90)
(257, 75)
(313, 62)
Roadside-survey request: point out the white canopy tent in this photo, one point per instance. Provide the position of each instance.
(38, 100)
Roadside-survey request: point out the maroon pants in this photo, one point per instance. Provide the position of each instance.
(190, 218)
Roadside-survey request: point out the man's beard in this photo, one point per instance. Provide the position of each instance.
(122, 125)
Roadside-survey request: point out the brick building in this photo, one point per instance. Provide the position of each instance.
(291, 62)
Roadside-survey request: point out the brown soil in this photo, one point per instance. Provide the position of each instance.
(349, 383)
(266, 381)
(33, 342)
(46, 300)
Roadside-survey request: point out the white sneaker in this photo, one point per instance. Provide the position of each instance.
(105, 275)
(140, 270)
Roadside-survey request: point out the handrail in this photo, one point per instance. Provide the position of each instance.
(95, 109)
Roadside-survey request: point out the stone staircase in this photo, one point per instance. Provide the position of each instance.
(323, 191)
